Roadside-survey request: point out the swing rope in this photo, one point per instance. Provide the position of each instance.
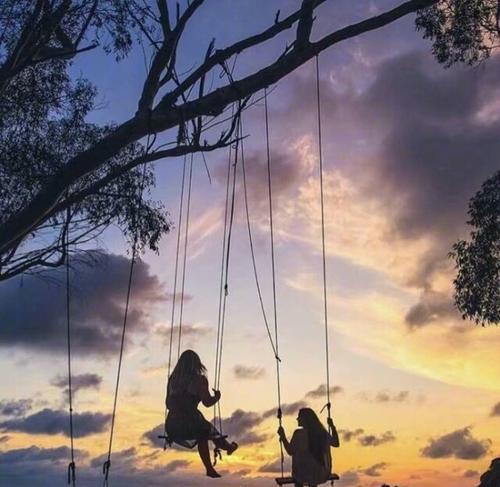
(252, 250)
(328, 404)
(221, 284)
(224, 290)
(107, 464)
(186, 237)
(273, 270)
(174, 298)
(72, 465)
(226, 270)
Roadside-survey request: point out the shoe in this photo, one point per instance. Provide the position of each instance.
(232, 448)
(213, 474)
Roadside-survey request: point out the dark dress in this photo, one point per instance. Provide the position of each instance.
(185, 424)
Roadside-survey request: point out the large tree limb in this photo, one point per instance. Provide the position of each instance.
(166, 116)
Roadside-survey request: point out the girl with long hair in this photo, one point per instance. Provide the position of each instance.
(185, 424)
(310, 449)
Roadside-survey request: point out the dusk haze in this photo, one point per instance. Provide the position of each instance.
(249, 243)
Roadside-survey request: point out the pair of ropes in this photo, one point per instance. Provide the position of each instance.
(176, 276)
(107, 464)
(275, 344)
(229, 208)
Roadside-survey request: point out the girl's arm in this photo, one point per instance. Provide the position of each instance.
(333, 436)
(284, 440)
(206, 398)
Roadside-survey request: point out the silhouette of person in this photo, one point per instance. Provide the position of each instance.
(185, 424)
(491, 478)
(310, 449)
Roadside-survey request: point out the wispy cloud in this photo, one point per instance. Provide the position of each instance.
(78, 382)
(459, 444)
(321, 391)
(495, 411)
(248, 372)
(374, 440)
(287, 409)
(15, 407)
(375, 470)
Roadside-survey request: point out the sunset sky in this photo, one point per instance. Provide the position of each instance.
(416, 389)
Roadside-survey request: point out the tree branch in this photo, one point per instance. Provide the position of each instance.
(163, 56)
(119, 171)
(165, 116)
(305, 24)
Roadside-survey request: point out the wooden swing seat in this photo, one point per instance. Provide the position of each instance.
(291, 480)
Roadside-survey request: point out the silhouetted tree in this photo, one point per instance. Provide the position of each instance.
(52, 161)
(461, 30)
(491, 478)
(477, 283)
(42, 125)
(468, 31)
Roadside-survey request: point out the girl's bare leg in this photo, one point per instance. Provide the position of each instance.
(205, 458)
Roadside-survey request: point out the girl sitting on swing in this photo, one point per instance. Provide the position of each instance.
(310, 449)
(185, 425)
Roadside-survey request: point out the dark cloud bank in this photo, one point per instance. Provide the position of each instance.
(437, 146)
(41, 467)
(54, 422)
(436, 153)
(33, 313)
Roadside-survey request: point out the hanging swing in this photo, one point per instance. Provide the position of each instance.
(167, 440)
(224, 280)
(282, 480)
(223, 289)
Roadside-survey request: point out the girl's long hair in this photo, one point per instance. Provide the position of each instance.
(188, 368)
(316, 434)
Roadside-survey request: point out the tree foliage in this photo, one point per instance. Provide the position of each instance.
(467, 31)
(463, 31)
(42, 125)
(477, 285)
